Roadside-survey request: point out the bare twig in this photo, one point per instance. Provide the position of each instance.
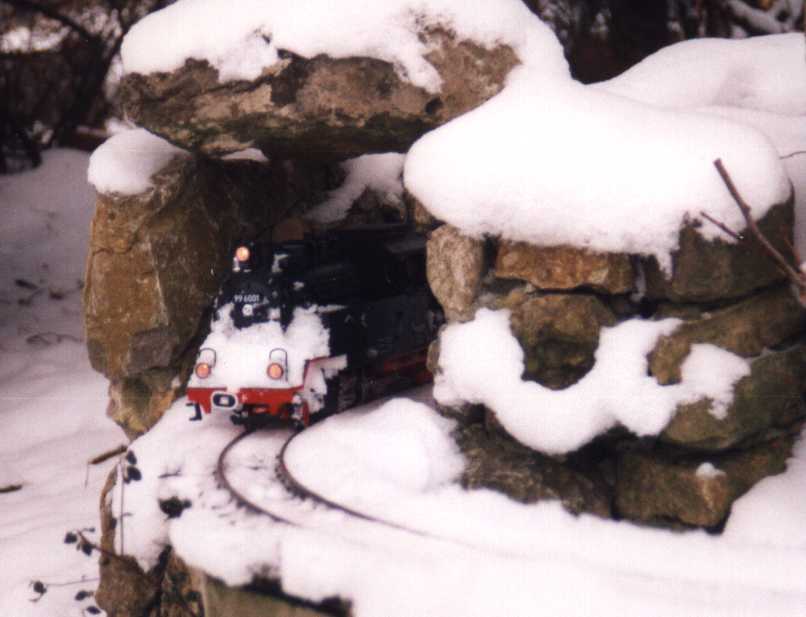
(791, 154)
(50, 338)
(722, 226)
(11, 488)
(122, 512)
(797, 277)
(107, 455)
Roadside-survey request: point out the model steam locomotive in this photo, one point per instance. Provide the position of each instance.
(309, 328)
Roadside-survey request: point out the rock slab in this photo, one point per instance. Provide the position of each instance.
(320, 106)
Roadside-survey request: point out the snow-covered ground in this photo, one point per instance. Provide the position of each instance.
(51, 402)
(480, 554)
(472, 553)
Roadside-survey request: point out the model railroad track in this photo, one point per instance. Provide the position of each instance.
(243, 500)
(296, 487)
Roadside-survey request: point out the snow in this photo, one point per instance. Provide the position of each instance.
(249, 154)
(242, 43)
(471, 553)
(242, 355)
(481, 362)
(239, 357)
(53, 403)
(125, 163)
(708, 471)
(772, 514)
(569, 164)
(763, 73)
(43, 242)
(600, 166)
(375, 172)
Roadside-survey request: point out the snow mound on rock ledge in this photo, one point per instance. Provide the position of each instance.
(125, 163)
(241, 39)
(555, 163)
(481, 362)
(550, 161)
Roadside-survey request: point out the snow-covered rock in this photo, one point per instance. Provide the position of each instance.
(565, 267)
(651, 487)
(298, 84)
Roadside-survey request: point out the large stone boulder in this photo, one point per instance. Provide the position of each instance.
(268, 601)
(157, 258)
(653, 488)
(716, 270)
(746, 328)
(770, 397)
(495, 461)
(559, 333)
(125, 590)
(316, 106)
(565, 267)
(454, 266)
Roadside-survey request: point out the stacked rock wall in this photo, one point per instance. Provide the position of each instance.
(729, 295)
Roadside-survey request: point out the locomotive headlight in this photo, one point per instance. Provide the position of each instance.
(205, 364)
(275, 370)
(203, 370)
(242, 253)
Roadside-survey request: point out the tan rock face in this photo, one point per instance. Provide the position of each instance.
(704, 271)
(746, 329)
(454, 266)
(223, 601)
(564, 267)
(654, 489)
(558, 332)
(137, 403)
(497, 462)
(318, 106)
(770, 397)
(125, 590)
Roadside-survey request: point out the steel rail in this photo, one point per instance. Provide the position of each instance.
(243, 500)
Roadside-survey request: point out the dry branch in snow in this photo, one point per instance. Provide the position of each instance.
(796, 276)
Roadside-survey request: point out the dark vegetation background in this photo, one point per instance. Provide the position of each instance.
(59, 59)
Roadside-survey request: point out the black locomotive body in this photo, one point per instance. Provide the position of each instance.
(366, 285)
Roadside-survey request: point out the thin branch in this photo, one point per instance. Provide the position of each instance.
(722, 226)
(797, 277)
(791, 154)
(107, 455)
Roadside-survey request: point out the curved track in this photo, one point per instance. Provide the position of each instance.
(298, 488)
(221, 477)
